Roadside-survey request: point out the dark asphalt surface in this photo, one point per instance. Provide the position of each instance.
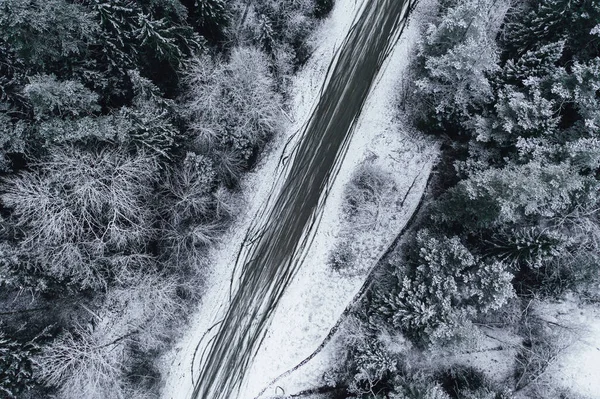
(272, 251)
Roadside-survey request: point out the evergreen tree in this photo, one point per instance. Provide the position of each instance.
(440, 287)
(210, 17)
(133, 39)
(550, 21)
(13, 74)
(264, 35)
(323, 8)
(48, 36)
(16, 366)
(455, 57)
(62, 99)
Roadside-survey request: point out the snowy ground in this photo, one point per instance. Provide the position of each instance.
(577, 367)
(317, 296)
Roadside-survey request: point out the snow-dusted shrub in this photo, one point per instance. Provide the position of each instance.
(441, 288)
(541, 346)
(417, 386)
(147, 307)
(342, 256)
(323, 8)
(367, 365)
(366, 193)
(373, 367)
(367, 198)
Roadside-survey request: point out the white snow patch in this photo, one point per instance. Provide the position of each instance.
(578, 366)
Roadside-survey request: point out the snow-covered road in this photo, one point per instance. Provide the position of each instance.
(220, 354)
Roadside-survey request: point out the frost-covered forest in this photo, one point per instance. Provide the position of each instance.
(125, 128)
(510, 220)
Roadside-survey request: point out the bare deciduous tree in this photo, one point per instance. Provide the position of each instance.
(84, 216)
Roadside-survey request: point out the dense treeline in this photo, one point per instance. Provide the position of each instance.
(125, 127)
(524, 134)
(513, 93)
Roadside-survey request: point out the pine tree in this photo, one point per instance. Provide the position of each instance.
(118, 22)
(48, 34)
(538, 63)
(550, 21)
(12, 79)
(264, 35)
(16, 366)
(454, 58)
(322, 8)
(155, 35)
(210, 17)
(50, 97)
(149, 123)
(440, 286)
(131, 38)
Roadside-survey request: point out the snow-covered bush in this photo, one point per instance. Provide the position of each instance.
(342, 257)
(366, 192)
(367, 197)
(323, 8)
(540, 349)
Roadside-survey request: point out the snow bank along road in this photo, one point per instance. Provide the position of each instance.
(274, 249)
